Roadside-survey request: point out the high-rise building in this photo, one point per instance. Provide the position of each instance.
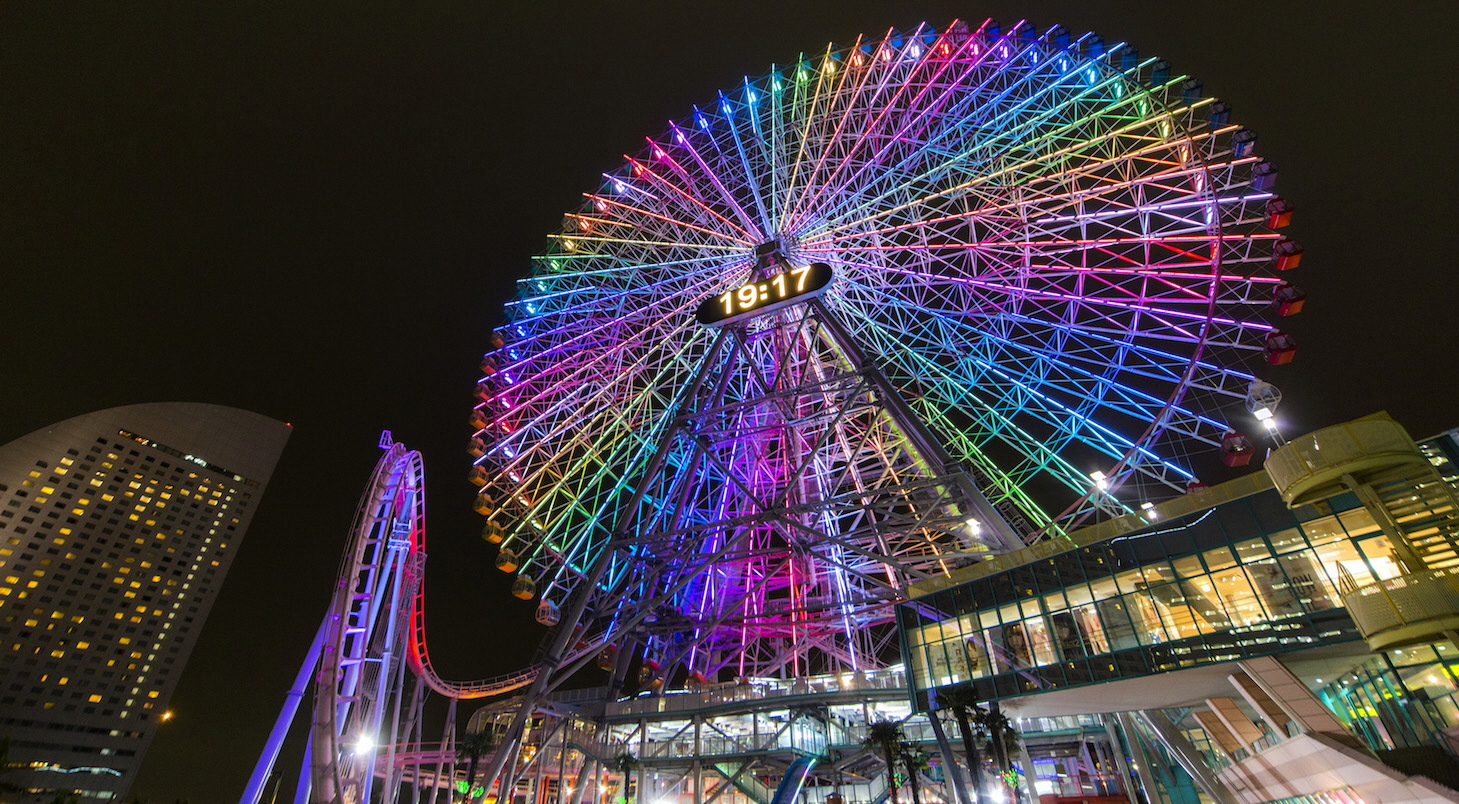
(116, 530)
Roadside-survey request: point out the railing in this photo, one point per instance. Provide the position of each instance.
(1198, 500)
(1409, 608)
(755, 689)
(1311, 467)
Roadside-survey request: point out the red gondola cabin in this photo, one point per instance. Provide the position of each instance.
(1236, 449)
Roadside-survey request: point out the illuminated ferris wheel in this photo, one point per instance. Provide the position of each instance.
(866, 318)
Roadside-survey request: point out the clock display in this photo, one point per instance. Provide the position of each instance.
(766, 295)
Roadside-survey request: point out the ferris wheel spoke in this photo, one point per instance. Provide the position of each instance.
(1062, 265)
(1058, 403)
(847, 163)
(1156, 365)
(1108, 139)
(973, 105)
(885, 203)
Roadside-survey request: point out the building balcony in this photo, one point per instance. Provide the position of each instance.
(1412, 608)
(1312, 467)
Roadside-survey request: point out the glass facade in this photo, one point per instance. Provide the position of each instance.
(1402, 698)
(1247, 577)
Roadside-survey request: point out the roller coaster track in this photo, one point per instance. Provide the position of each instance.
(376, 618)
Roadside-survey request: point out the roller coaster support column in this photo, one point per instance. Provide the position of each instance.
(265, 766)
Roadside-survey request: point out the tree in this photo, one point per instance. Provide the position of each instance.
(625, 763)
(963, 704)
(474, 745)
(915, 759)
(1001, 735)
(885, 736)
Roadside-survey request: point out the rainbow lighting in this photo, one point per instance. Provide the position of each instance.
(885, 311)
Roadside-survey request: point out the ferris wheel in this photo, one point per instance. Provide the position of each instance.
(867, 317)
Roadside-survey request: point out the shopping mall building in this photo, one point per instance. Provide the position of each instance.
(1289, 633)
(1287, 636)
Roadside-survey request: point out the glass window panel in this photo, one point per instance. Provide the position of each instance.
(1309, 584)
(1203, 599)
(937, 664)
(1181, 621)
(1103, 589)
(1015, 639)
(1381, 558)
(1004, 660)
(1040, 640)
(1358, 522)
(1273, 588)
(957, 660)
(919, 661)
(1092, 630)
(1219, 558)
(1270, 512)
(1418, 654)
(1141, 578)
(1145, 615)
(1080, 595)
(1237, 520)
(1324, 530)
(1238, 598)
(1285, 541)
(1251, 550)
(1188, 567)
(1119, 630)
(1009, 614)
(1055, 602)
(979, 665)
(1342, 554)
(1067, 636)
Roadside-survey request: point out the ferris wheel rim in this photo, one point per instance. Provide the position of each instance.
(665, 163)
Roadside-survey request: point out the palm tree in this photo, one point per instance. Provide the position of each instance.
(915, 760)
(625, 763)
(474, 746)
(1002, 737)
(886, 736)
(963, 704)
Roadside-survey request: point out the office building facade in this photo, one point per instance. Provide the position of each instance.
(116, 531)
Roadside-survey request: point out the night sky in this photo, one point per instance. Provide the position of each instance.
(315, 210)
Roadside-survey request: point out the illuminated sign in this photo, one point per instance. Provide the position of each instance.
(765, 296)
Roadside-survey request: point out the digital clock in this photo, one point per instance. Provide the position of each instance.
(766, 295)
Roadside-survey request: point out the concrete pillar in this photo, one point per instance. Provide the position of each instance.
(1262, 703)
(1217, 731)
(1234, 720)
(1298, 702)
(1029, 777)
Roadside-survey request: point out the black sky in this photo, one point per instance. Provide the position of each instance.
(314, 210)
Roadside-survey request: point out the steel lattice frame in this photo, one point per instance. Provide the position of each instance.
(1052, 249)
